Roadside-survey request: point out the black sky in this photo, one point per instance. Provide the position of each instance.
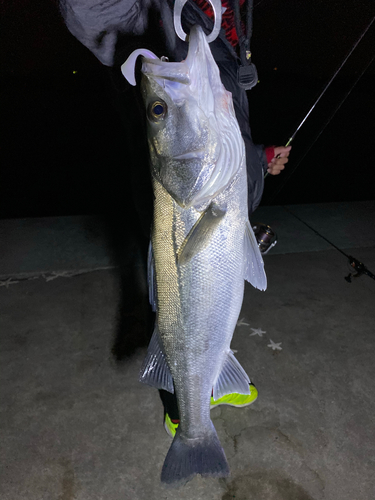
(62, 138)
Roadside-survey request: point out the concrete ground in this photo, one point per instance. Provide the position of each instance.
(77, 425)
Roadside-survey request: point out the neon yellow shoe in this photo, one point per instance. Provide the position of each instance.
(170, 425)
(233, 399)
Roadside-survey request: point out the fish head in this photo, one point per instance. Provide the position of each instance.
(194, 139)
(184, 146)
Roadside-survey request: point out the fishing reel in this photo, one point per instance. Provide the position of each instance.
(359, 268)
(265, 237)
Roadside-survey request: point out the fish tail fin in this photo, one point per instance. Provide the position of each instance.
(188, 457)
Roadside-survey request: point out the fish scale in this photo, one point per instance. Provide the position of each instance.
(203, 249)
(202, 332)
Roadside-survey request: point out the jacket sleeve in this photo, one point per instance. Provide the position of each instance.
(98, 23)
(262, 153)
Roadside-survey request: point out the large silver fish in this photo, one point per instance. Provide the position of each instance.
(203, 247)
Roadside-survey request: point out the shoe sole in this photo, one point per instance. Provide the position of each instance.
(234, 406)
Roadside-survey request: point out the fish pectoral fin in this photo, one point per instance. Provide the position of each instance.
(151, 278)
(200, 234)
(155, 371)
(254, 266)
(232, 379)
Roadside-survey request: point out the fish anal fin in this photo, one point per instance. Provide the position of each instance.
(155, 371)
(232, 379)
(200, 234)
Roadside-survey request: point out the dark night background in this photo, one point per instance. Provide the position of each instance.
(62, 145)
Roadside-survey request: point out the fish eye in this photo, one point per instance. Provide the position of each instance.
(157, 110)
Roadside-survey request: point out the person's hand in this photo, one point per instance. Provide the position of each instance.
(277, 164)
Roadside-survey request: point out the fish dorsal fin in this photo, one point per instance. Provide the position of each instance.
(155, 371)
(232, 378)
(254, 266)
(200, 234)
(151, 278)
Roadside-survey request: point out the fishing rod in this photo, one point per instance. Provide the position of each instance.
(291, 138)
(357, 265)
(328, 121)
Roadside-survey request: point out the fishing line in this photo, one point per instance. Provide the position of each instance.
(258, 3)
(291, 172)
(315, 231)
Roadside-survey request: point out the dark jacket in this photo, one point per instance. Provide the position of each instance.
(111, 29)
